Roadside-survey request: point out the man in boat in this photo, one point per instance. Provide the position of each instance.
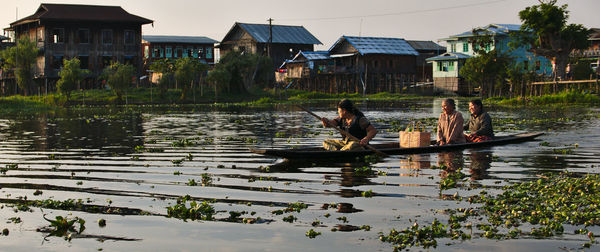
(450, 124)
(480, 123)
(351, 120)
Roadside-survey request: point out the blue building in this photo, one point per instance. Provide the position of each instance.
(460, 47)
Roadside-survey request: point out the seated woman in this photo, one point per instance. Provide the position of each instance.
(480, 123)
(450, 124)
(352, 121)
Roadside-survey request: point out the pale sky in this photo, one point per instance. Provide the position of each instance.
(327, 20)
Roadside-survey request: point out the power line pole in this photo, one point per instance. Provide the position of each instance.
(270, 37)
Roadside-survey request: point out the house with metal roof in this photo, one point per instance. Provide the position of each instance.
(426, 49)
(356, 65)
(156, 47)
(373, 64)
(446, 67)
(173, 47)
(97, 35)
(279, 42)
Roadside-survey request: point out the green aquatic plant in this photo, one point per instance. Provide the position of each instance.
(312, 233)
(292, 207)
(546, 204)
(206, 179)
(451, 180)
(195, 211)
(65, 227)
(290, 218)
(192, 182)
(363, 171)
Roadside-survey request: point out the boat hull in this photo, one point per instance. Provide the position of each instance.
(389, 148)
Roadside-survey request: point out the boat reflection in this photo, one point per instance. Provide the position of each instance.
(480, 164)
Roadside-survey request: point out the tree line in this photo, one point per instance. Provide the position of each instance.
(237, 72)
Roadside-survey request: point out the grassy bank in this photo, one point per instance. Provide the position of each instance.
(563, 98)
(256, 97)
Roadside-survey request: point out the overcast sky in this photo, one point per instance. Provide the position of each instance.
(325, 19)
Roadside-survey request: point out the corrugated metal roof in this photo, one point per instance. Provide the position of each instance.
(492, 29)
(378, 45)
(449, 56)
(79, 12)
(318, 55)
(284, 34)
(425, 45)
(178, 39)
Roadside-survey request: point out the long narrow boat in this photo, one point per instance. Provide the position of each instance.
(389, 148)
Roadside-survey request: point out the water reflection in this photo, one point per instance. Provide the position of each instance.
(480, 164)
(451, 160)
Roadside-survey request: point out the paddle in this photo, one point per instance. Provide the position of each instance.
(345, 133)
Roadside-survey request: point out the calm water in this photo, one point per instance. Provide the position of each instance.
(134, 161)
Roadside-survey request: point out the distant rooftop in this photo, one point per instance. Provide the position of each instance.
(377, 45)
(178, 39)
(449, 56)
(425, 45)
(284, 34)
(78, 12)
(491, 29)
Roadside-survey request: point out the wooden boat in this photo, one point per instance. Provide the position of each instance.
(314, 153)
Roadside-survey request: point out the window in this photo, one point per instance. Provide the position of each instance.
(208, 52)
(157, 52)
(453, 47)
(475, 47)
(465, 47)
(451, 66)
(84, 62)
(58, 35)
(129, 37)
(178, 52)
(40, 34)
(488, 47)
(83, 36)
(57, 61)
(190, 52)
(525, 65)
(168, 52)
(147, 52)
(538, 65)
(107, 37)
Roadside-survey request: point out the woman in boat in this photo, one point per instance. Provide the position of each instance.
(480, 123)
(351, 120)
(450, 124)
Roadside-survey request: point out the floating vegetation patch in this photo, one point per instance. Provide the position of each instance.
(545, 205)
(65, 227)
(451, 179)
(312, 233)
(195, 211)
(292, 207)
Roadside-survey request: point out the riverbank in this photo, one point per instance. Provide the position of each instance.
(256, 98)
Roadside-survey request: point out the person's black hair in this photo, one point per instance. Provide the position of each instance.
(477, 102)
(348, 106)
(450, 102)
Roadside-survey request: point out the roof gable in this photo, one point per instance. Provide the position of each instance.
(283, 34)
(449, 56)
(491, 29)
(375, 45)
(77, 12)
